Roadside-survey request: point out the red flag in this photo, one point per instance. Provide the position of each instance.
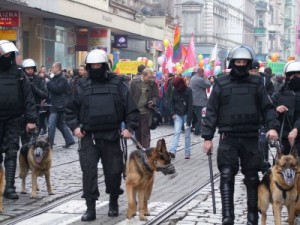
(168, 66)
(184, 51)
(190, 59)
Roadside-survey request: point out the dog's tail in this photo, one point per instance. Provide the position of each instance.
(23, 161)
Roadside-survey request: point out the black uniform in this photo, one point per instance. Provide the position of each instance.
(99, 108)
(235, 106)
(40, 93)
(291, 118)
(16, 99)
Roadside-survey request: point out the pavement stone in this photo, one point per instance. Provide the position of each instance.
(190, 174)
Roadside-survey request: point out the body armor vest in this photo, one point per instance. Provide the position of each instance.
(102, 107)
(291, 100)
(239, 104)
(11, 97)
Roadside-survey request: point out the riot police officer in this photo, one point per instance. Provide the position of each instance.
(38, 87)
(287, 101)
(235, 106)
(94, 112)
(16, 99)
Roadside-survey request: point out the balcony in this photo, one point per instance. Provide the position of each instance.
(261, 6)
(259, 31)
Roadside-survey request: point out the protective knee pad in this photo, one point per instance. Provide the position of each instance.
(227, 175)
(251, 180)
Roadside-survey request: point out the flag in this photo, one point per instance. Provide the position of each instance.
(184, 51)
(168, 66)
(213, 55)
(188, 72)
(177, 54)
(190, 59)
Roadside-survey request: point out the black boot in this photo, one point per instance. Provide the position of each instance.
(10, 172)
(113, 206)
(251, 182)
(227, 191)
(90, 213)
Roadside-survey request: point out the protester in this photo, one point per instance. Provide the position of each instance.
(95, 111)
(145, 94)
(16, 99)
(182, 105)
(199, 84)
(58, 88)
(235, 106)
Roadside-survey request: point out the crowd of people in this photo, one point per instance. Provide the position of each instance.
(247, 106)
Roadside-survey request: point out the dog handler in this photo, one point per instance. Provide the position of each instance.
(235, 106)
(94, 113)
(16, 99)
(287, 100)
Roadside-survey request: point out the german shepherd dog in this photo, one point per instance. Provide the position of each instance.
(2, 184)
(36, 157)
(279, 187)
(140, 176)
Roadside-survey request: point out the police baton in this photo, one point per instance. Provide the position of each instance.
(212, 181)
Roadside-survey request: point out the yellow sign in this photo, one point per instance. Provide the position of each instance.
(10, 35)
(130, 67)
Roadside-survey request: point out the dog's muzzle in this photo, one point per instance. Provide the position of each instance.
(166, 170)
(288, 176)
(38, 154)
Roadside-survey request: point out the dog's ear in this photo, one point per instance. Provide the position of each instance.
(161, 144)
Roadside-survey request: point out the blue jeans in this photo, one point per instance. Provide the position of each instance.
(57, 119)
(178, 122)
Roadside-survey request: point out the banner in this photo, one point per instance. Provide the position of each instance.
(277, 67)
(128, 67)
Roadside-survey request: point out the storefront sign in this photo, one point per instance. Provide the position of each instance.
(10, 35)
(98, 38)
(128, 67)
(121, 41)
(9, 18)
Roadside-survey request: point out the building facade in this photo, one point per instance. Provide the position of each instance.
(64, 30)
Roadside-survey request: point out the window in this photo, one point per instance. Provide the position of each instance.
(259, 47)
(260, 21)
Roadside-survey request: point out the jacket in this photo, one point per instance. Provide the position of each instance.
(58, 88)
(263, 105)
(182, 104)
(76, 100)
(19, 93)
(199, 85)
(136, 91)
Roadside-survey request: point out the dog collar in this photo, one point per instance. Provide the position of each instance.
(283, 190)
(144, 159)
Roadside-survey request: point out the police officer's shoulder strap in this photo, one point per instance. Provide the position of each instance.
(115, 79)
(256, 79)
(223, 80)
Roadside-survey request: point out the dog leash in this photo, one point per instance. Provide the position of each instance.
(125, 154)
(285, 117)
(138, 144)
